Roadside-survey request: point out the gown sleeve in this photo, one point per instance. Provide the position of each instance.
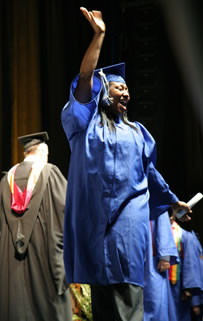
(55, 203)
(76, 116)
(192, 274)
(200, 251)
(160, 194)
(197, 298)
(165, 244)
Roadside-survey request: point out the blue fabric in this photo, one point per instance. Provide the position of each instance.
(197, 298)
(156, 284)
(199, 250)
(191, 278)
(115, 78)
(116, 70)
(107, 207)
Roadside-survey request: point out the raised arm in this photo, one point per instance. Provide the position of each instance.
(91, 57)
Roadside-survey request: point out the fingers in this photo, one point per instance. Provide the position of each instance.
(188, 209)
(86, 13)
(91, 14)
(196, 309)
(178, 206)
(97, 14)
(186, 295)
(185, 218)
(163, 266)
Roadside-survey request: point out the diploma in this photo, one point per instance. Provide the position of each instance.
(191, 203)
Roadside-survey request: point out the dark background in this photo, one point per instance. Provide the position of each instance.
(42, 44)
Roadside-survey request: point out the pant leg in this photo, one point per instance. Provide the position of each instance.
(102, 303)
(117, 302)
(128, 300)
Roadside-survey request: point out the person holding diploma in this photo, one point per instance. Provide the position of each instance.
(111, 173)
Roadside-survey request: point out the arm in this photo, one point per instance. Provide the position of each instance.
(91, 57)
(160, 194)
(165, 247)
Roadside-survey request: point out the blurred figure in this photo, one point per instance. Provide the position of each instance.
(32, 199)
(197, 299)
(162, 253)
(186, 276)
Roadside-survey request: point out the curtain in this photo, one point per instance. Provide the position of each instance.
(20, 81)
(25, 73)
(42, 44)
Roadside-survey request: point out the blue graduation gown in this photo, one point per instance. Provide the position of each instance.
(161, 244)
(197, 298)
(190, 278)
(107, 206)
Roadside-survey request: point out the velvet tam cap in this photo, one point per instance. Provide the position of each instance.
(33, 139)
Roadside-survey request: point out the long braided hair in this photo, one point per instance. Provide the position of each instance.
(106, 115)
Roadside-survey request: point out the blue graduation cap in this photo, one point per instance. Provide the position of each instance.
(115, 73)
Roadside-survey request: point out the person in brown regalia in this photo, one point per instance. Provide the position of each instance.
(32, 277)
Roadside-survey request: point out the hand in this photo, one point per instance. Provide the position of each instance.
(186, 295)
(163, 265)
(176, 207)
(196, 310)
(95, 19)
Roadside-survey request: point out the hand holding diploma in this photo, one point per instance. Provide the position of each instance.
(181, 210)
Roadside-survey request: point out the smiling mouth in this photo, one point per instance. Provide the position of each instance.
(123, 104)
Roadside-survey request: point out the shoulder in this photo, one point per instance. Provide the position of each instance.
(76, 116)
(54, 171)
(52, 168)
(149, 139)
(96, 89)
(3, 174)
(142, 128)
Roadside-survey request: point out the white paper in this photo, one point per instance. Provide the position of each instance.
(191, 203)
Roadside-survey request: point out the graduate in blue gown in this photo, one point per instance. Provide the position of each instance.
(111, 171)
(161, 253)
(185, 277)
(197, 298)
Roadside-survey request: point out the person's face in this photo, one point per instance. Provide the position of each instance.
(119, 93)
